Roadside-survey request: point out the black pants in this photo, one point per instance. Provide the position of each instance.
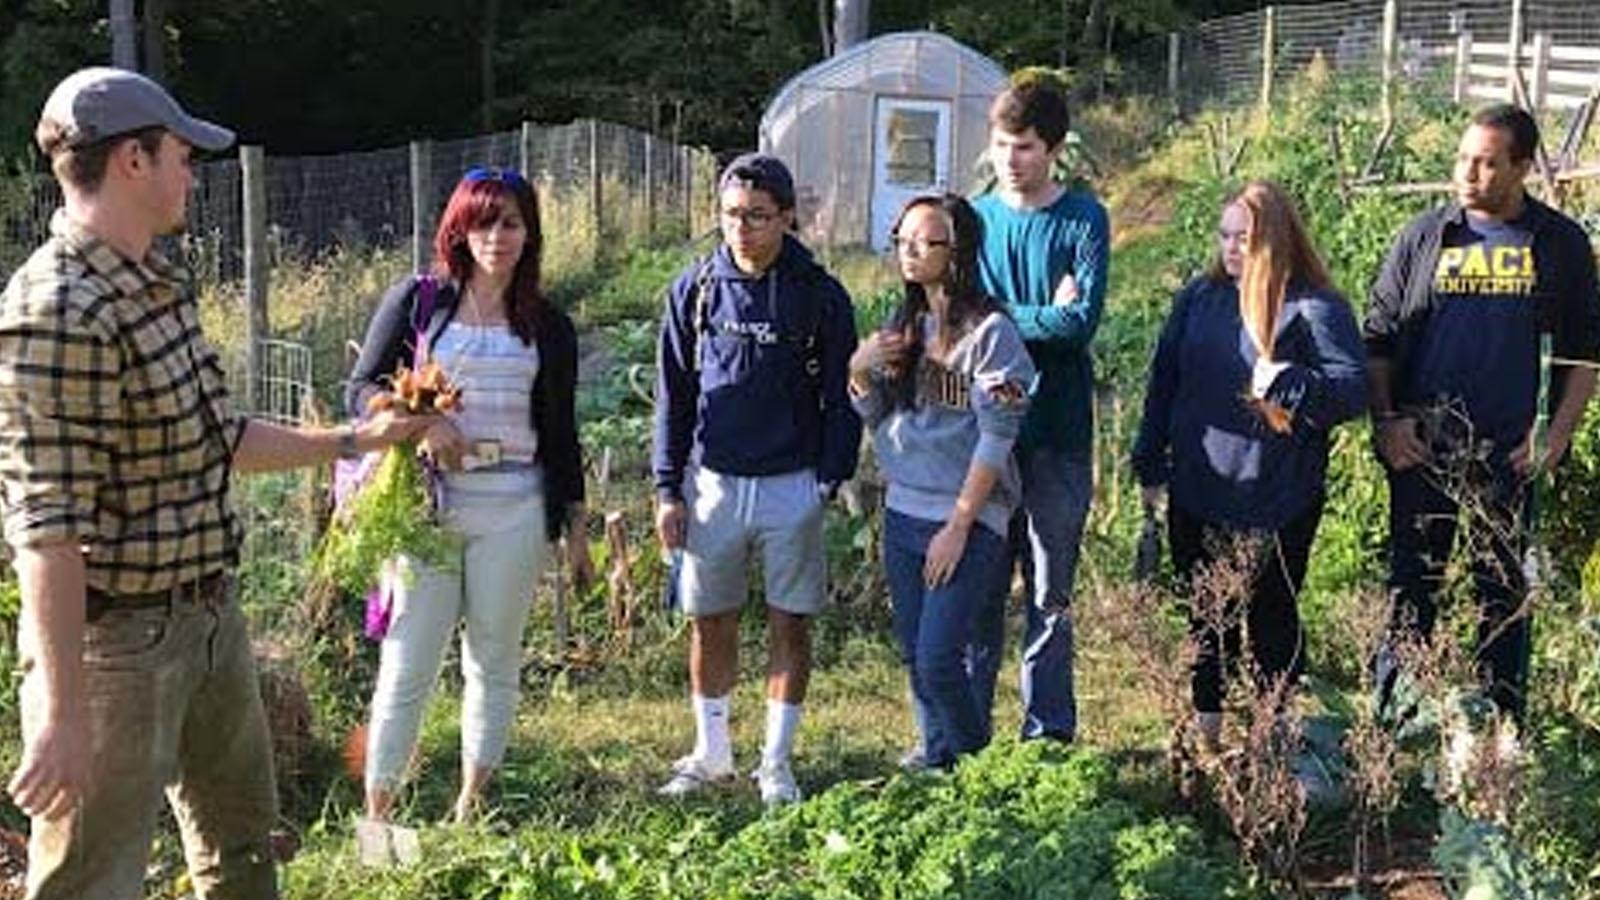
(1275, 568)
(1422, 536)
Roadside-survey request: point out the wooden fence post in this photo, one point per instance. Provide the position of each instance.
(1174, 60)
(596, 191)
(620, 579)
(1463, 67)
(1540, 88)
(688, 191)
(1391, 41)
(1269, 40)
(525, 151)
(421, 204)
(558, 603)
(1513, 51)
(253, 181)
(649, 186)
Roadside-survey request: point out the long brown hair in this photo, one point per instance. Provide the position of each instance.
(968, 304)
(1278, 252)
(475, 203)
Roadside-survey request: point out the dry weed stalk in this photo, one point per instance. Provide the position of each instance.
(1252, 781)
(1136, 617)
(1371, 748)
(1253, 776)
(1480, 762)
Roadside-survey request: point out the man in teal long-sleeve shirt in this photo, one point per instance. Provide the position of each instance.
(1045, 252)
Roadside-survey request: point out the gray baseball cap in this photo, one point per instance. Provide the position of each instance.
(101, 102)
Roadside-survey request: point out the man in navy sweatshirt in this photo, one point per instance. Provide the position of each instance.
(1453, 334)
(754, 433)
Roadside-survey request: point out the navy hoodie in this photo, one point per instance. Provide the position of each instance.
(768, 395)
(1219, 459)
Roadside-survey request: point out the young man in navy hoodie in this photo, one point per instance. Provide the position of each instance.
(754, 433)
(1453, 331)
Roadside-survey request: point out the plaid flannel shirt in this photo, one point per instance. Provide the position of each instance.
(115, 426)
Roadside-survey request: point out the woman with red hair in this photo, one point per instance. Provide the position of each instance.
(511, 476)
(1259, 360)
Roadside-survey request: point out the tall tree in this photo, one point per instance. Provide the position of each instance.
(489, 36)
(124, 35)
(850, 18)
(1091, 60)
(154, 26)
(44, 42)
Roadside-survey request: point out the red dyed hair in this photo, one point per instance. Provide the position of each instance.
(476, 204)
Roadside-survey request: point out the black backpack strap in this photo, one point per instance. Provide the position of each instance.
(811, 343)
(700, 291)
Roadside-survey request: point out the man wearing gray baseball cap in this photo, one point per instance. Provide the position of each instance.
(117, 449)
(96, 104)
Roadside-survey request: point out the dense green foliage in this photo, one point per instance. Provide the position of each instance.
(410, 69)
(1020, 820)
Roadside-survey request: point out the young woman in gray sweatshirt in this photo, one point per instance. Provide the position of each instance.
(943, 387)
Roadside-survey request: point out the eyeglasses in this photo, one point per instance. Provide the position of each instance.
(749, 218)
(917, 246)
(509, 177)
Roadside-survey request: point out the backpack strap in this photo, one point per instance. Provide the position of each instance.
(812, 349)
(700, 291)
(810, 346)
(422, 317)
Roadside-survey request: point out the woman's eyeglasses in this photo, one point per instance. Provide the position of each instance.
(917, 246)
(510, 177)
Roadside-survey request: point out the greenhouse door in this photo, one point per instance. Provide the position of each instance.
(911, 156)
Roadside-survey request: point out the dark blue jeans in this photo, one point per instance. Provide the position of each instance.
(935, 626)
(1422, 536)
(1044, 539)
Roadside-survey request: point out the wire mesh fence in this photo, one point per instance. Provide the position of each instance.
(602, 186)
(364, 200)
(1461, 47)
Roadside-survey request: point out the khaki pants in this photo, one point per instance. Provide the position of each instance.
(174, 706)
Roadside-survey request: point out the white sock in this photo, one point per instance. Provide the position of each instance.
(711, 742)
(782, 721)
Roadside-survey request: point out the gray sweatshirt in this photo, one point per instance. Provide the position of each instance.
(969, 408)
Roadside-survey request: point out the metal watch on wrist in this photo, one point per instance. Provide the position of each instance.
(347, 442)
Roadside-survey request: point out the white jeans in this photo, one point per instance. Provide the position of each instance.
(491, 590)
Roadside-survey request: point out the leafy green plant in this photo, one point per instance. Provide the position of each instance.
(388, 518)
(1481, 861)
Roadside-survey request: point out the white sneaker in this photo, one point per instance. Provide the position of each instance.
(776, 782)
(913, 760)
(691, 774)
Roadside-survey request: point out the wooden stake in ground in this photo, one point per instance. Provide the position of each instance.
(620, 578)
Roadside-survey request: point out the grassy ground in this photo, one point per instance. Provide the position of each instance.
(587, 755)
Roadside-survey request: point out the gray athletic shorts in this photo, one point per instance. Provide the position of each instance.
(778, 516)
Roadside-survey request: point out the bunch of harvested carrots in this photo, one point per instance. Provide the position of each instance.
(418, 391)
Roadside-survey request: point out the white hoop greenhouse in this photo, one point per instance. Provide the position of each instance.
(896, 116)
